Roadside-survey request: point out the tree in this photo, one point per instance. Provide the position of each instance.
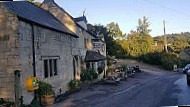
(112, 46)
(138, 42)
(114, 30)
(177, 41)
(35, 3)
(142, 27)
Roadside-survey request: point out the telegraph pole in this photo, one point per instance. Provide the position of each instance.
(165, 38)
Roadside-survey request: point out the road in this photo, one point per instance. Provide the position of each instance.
(148, 89)
(166, 89)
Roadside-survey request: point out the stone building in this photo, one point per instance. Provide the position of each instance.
(79, 26)
(44, 42)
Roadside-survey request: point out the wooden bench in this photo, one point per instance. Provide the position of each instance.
(114, 82)
(118, 80)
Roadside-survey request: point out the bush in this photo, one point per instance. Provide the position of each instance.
(73, 85)
(109, 70)
(100, 70)
(5, 103)
(166, 60)
(44, 89)
(34, 103)
(109, 61)
(89, 74)
(151, 58)
(169, 59)
(124, 56)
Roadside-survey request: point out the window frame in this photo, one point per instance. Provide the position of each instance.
(50, 67)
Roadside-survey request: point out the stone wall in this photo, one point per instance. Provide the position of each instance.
(68, 21)
(16, 53)
(9, 52)
(48, 44)
(60, 14)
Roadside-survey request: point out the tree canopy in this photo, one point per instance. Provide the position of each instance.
(176, 41)
(35, 3)
(114, 30)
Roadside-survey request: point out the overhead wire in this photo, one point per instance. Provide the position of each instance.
(173, 10)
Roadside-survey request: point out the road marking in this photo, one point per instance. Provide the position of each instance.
(126, 90)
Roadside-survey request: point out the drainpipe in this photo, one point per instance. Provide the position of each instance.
(33, 51)
(34, 58)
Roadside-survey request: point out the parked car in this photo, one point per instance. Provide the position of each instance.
(188, 77)
(187, 67)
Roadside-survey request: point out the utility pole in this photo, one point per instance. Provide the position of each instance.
(165, 38)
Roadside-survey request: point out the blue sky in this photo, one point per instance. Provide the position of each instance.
(126, 13)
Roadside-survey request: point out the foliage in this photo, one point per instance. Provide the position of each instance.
(34, 103)
(169, 59)
(112, 47)
(143, 26)
(35, 3)
(109, 60)
(6, 103)
(114, 30)
(166, 60)
(177, 41)
(139, 44)
(109, 70)
(74, 84)
(88, 74)
(133, 45)
(44, 89)
(124, 56)
(151, 58)
(100, 70)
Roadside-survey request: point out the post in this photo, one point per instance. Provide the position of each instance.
(165, 38)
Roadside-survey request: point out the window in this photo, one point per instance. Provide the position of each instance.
(85, 42)
(50, 67)
(55, 66)
(46, 68)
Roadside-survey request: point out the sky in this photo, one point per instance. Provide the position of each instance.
(127, 12)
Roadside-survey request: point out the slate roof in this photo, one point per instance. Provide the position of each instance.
(74, 19)
(92, 56)
(30, 12)
(82, 18)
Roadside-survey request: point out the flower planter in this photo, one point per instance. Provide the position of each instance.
(47, 100)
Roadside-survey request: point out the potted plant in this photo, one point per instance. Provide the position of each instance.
(74, 85)
(45, 93)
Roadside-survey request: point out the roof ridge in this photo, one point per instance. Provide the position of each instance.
(17, 6)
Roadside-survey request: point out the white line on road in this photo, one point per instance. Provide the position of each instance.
(126, 90)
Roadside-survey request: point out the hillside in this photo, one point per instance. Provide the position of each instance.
(176, 41)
